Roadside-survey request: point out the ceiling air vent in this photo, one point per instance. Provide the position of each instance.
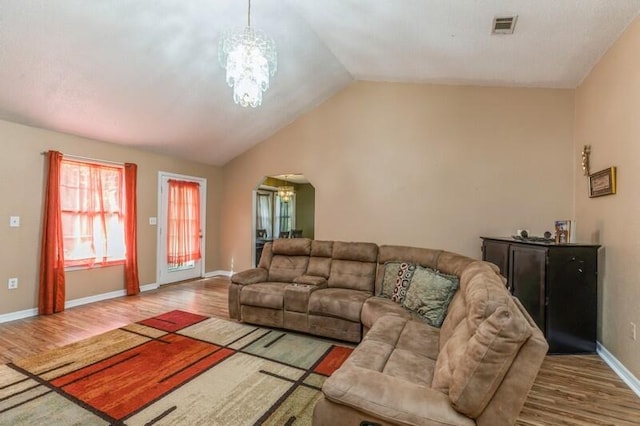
(504, 24)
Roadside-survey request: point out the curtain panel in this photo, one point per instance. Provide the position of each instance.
(131, 280)
(183, 230)
(51, 291)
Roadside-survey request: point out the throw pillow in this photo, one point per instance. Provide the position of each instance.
(397, 275)
(429, 295)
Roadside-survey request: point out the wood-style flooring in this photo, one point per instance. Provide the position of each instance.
(569, 390)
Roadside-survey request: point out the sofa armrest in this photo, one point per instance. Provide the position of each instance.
(390, 398)
(250, 276)
(311, 280)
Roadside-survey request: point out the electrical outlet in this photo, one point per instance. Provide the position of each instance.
(12, 283)
(632, 330)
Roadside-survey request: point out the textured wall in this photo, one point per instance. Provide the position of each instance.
(416, 164)
(607, 105)
(21, 189)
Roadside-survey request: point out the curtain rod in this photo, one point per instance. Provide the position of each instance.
(93, 160)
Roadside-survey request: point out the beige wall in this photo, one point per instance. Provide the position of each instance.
(417, 164)
(607, 105)
(21, 189)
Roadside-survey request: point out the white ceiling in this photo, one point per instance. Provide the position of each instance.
(145, 73)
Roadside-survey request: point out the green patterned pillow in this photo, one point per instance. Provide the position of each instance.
(429, 295)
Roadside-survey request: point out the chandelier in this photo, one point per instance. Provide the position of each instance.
(285, 192)
(250, 58)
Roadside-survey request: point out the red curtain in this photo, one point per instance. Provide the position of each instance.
(131, 281)
(183, 230)
(51, 292)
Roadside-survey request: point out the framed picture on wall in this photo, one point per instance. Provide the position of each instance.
(602, 182)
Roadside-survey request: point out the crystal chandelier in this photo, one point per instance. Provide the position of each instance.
(285, 192)
(250, 58)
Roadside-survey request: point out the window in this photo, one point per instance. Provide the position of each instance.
(92, 205)
(264, 213)
(284, 215)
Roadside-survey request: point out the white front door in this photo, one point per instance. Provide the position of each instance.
(171, 267)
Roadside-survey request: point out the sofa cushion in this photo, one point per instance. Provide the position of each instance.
(456, 313)
(292, 246)
(321, 248)
(319, 266)
(287, 268)
(360, 252)
(449, 357)
(487, 358)
(429, 295)
(376, 307)
(419, 338)
(390, 398)
(350, 274)
(338, 302)
(483, 293)
(471, 365)
(400, 347)
(265, 295)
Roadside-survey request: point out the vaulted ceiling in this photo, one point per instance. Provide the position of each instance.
(145, 73)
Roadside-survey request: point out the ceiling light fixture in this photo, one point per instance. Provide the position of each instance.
(286, 191)
(250, 58)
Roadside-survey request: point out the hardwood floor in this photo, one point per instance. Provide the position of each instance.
(569, 390)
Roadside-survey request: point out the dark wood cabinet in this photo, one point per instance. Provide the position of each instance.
(556, 283)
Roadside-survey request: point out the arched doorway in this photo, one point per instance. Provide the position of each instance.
(283, 207)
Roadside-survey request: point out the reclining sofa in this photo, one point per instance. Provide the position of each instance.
(462, 352)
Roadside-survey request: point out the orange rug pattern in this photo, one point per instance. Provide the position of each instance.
(175, 368)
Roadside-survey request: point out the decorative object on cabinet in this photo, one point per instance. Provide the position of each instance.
(602, 182)
(565, 232)
(557, 285)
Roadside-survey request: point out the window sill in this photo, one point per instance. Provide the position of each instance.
(94, 266)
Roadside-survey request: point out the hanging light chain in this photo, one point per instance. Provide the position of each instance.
(249, 15)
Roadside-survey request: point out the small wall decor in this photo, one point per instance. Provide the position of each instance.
(586, 151)
(602, 182)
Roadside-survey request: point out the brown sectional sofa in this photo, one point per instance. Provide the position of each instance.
(477, 368)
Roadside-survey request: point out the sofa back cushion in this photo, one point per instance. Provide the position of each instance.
(292, 246)
(353, 266)
(320, 261)
(470, 371)
(481, 292)
(453, 263)
(398, 254)
(289, 258)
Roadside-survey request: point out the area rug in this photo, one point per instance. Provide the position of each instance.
(177, 368)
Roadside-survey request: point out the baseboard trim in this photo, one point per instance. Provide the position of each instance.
(619, 368)
(12, 316)
(219, 273)
(27, 313)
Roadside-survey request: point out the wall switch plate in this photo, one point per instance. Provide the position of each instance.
(153, 221)
(632, 330)
(12, 283)
(14, 221)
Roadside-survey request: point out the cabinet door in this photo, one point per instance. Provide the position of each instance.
(573, 299)
(497, 252)
(527, 278)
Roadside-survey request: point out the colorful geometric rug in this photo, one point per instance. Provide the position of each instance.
(175, 369)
